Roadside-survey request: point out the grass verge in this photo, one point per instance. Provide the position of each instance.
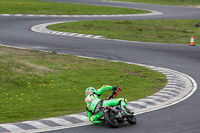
(38, 85)
(160, 31)
(165, 2)
(41, 7)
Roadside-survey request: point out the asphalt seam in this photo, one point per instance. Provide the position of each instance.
(183, 85)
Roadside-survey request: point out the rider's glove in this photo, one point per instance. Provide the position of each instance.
(115, 88)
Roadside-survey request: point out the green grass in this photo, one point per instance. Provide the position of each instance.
(41, 7)
(161, 31)
(38, 85)
(165, 2)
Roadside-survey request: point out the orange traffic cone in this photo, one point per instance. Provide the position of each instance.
(192, 41)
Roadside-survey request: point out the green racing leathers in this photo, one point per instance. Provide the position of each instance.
(93, 101)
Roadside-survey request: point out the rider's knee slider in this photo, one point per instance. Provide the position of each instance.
(125, 100)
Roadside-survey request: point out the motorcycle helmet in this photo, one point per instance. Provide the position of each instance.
(89, 90)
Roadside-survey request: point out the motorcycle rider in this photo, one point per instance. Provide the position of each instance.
(93, 103)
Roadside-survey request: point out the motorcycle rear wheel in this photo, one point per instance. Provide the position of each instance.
(113, 122)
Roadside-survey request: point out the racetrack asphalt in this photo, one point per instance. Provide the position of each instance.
(182, 117)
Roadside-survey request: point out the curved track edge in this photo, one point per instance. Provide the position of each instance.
(179, 87)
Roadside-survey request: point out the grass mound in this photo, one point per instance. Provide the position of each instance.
(38, 85)
(161, 31)
(42, 7)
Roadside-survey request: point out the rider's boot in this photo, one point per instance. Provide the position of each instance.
(127, 112)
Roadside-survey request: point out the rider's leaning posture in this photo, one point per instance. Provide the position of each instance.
(93, 102)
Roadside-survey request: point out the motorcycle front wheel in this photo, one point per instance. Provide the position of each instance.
(131, 120)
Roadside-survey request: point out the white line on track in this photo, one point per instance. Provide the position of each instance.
(180, 100)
